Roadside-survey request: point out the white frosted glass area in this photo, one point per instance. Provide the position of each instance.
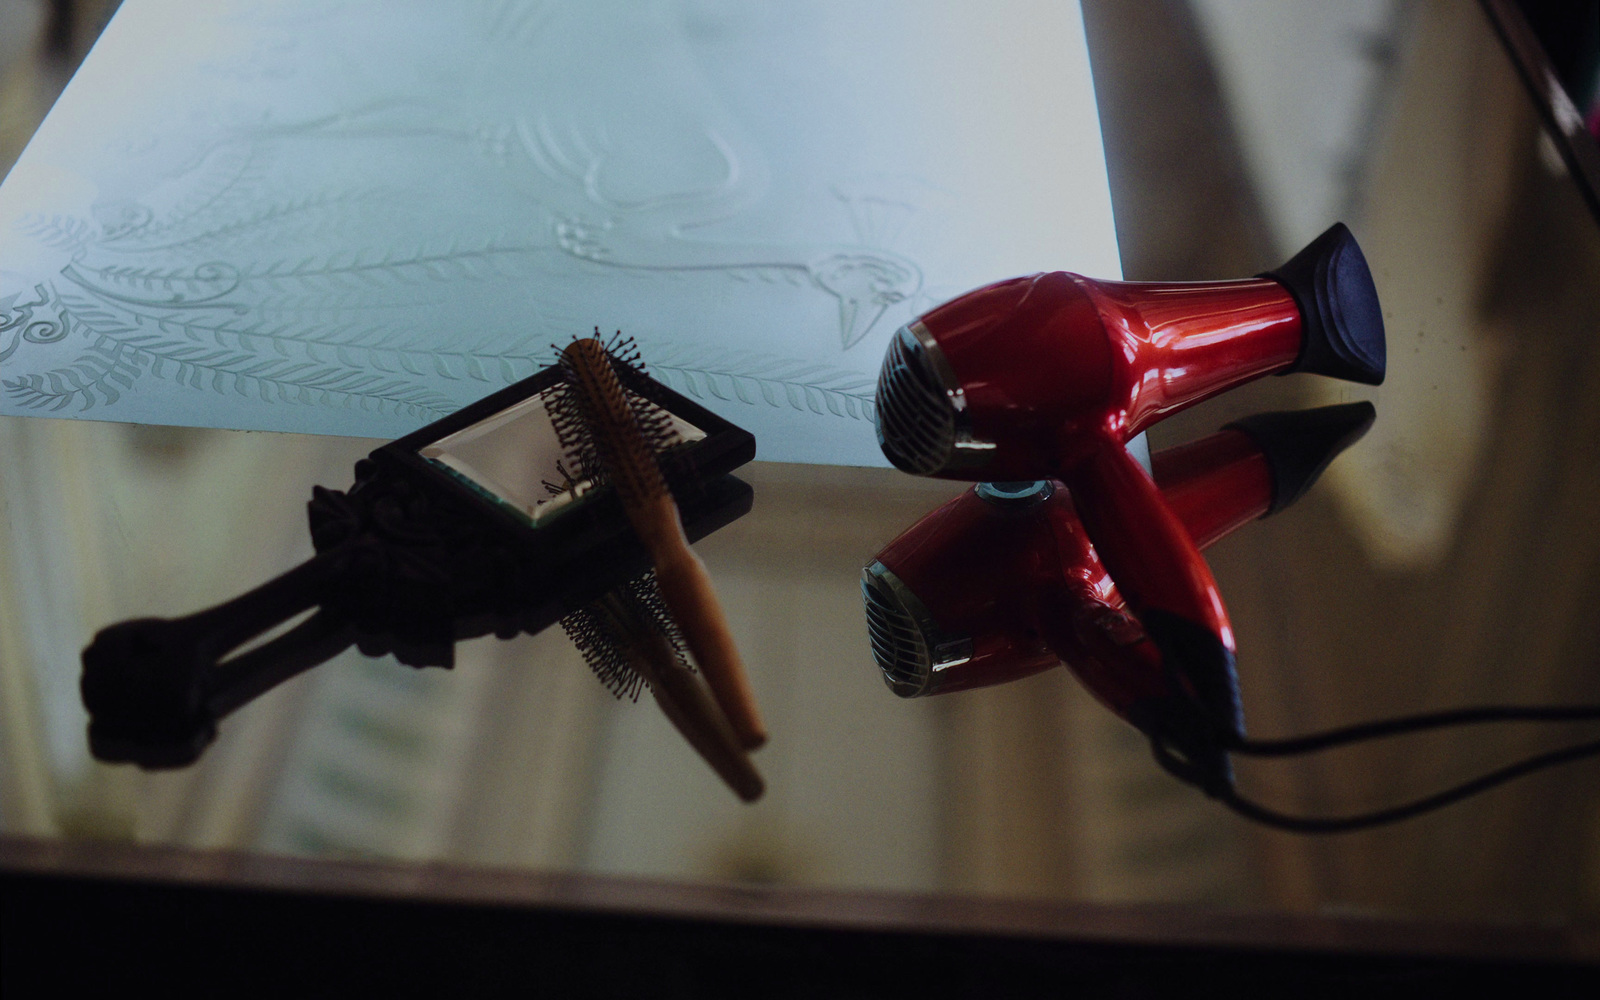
(353, 218)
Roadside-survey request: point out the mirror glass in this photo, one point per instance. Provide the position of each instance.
(515, 458)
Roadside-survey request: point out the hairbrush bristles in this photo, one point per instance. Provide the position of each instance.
(573, 414)
(646, 590)
(568, 483)
(596, 638)
(600, 629)
(607, 629)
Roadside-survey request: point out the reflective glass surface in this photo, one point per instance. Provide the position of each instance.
(1450, 558)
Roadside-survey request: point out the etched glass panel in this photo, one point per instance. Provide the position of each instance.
(356, 217)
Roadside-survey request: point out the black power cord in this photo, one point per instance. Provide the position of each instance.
(1362, 732)
(1224, 792)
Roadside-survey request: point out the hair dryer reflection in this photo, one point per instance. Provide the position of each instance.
(1003, 581)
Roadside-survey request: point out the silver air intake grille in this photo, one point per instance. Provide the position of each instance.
(899, 645)
(916, 419)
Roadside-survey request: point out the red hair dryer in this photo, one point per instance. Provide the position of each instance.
(1002, 581)
(1048, 376)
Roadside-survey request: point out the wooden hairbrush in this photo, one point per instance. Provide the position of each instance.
(613, 439)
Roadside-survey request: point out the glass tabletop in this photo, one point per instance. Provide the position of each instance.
(1448, 559)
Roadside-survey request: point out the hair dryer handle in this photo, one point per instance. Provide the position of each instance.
(1166, 582)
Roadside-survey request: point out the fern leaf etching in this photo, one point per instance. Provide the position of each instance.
(366, 270)
(128, 344)
(170, 288)
(96, 376)
(758, 380)
(359, 346)
(59, 232)
(285, 380)
(306, 218)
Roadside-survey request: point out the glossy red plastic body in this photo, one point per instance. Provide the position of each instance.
(1030, 590)
(982, 571)
(1214, 485)
(1051, 363)
(1058, 371)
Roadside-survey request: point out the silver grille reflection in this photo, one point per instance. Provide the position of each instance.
(916, 420)
(898, 645)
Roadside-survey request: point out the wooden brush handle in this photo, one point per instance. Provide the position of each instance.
(683, 699)
(687, 704)
(686, 589)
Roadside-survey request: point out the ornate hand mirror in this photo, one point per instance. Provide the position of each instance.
(468, 526)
